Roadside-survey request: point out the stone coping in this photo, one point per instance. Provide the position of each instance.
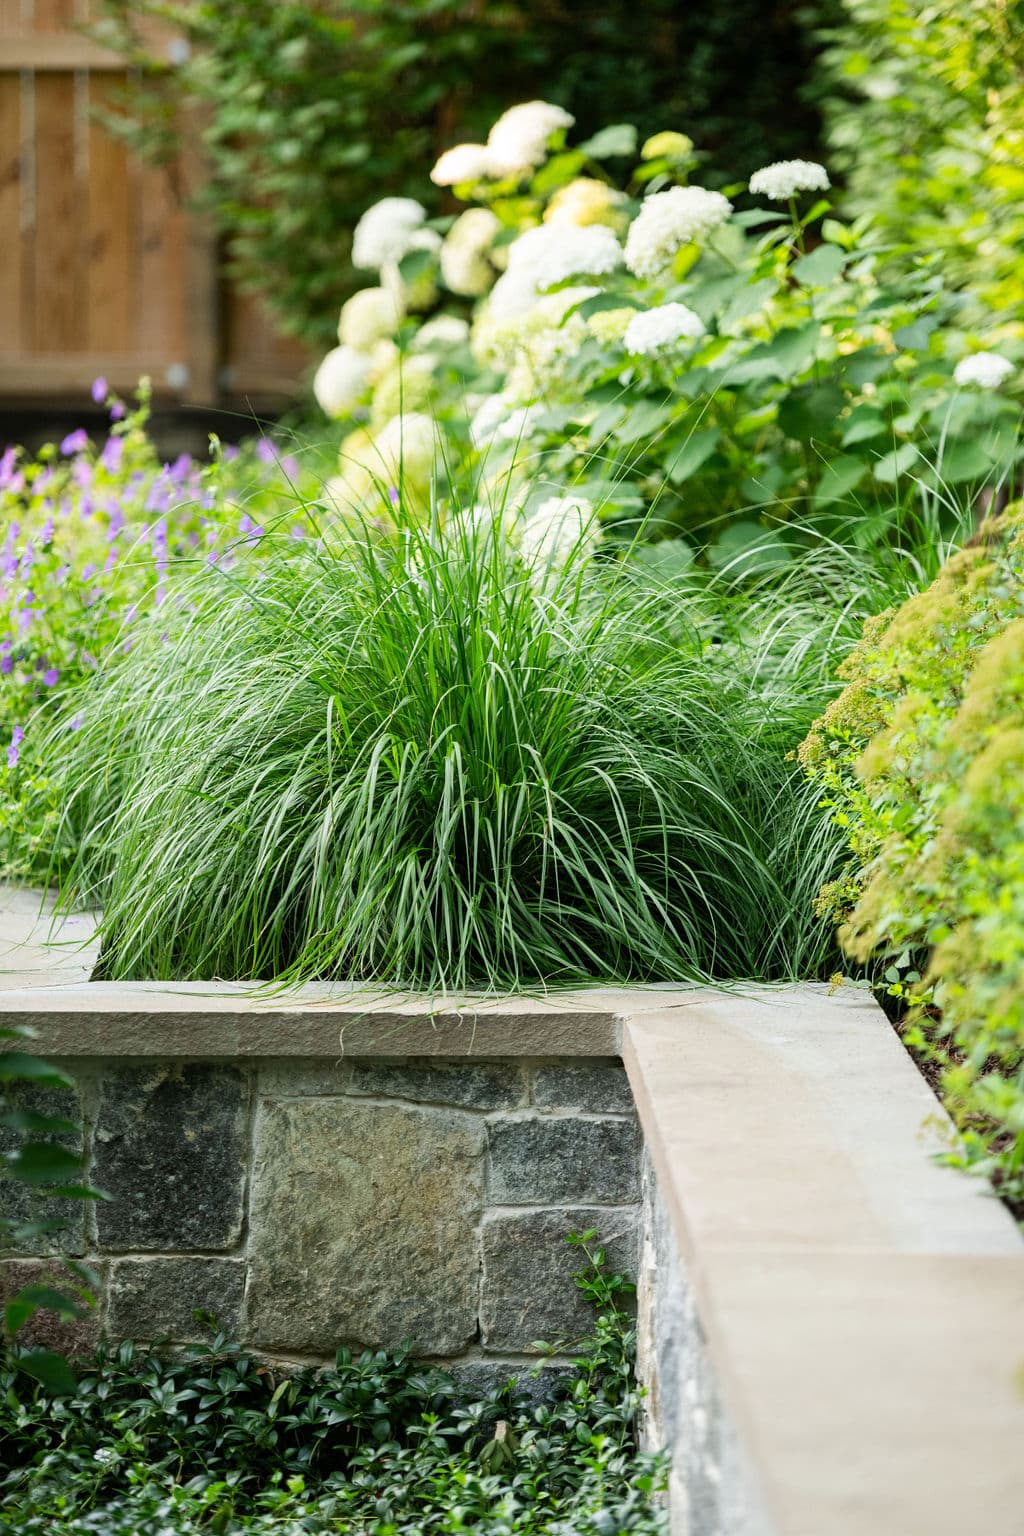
(862, 1303)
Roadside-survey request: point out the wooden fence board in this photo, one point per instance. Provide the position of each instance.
(103, 267)
(10, 211)
(111, 281)
(59, 207)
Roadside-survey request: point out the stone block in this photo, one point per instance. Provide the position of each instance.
(481, 1379)
(476, 1085)
(528, 1291)
(363, 1226)
(170, 1148)
(75, 1337)
(295, 1078)
(535, 1159)
(596, 1087)
(149, 1299)
(22, 1203)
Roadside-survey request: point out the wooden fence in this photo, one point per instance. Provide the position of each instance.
(102, 270)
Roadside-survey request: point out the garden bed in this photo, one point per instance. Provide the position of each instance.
(809, 1275)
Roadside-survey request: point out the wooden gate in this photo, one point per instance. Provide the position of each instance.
(102, 270)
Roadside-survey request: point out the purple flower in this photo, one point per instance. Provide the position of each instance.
(290, 466)
(75, 441)
(229, 454)
(51, 677)
(117, 411)
(17, 737)
(77, 723)
(99, 390)
(180, 469)
(265, 451)
(6, 665)
(298, 532)
(7, 462)
(393, 495)
(113, 452)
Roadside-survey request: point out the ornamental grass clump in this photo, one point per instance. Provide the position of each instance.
(434, 761)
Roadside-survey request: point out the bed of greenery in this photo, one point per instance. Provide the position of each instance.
(148, 1444)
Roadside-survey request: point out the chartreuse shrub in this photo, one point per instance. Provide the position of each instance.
(213, 1440)
(731, 376)
(90, 536)
(925, 118)
(449, 757)
(922, 760)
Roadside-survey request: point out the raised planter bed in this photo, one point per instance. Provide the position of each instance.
(827, 1317)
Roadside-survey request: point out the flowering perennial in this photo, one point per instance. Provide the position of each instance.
(518, 142)
(985, 369)
(463, 164)
(668, 220)
(786, 178)
(384, 233)
(652, 329)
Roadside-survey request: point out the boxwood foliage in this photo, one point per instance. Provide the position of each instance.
(213, 1440)
(922, 759)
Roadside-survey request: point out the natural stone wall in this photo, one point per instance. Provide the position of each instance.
(307, 1203)
(712, 1489)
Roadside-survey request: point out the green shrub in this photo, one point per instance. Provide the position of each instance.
(215, 1440)
(36, 1159)
(442, 759)
(925, 117)
(922, 759)
(312, 110)
(735, 378)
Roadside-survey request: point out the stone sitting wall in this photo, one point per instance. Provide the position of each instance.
(312, 1203)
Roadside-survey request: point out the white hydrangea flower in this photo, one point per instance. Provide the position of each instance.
(513, 295)
(668, 220)
(498, 420)
(588, 201)
(785, 178)
(985, 369)
(373, 465)
(341, 381)
(418, 293)
(385, 231)
(652, 329)
(553, 252)
(559, 529)
(463, 163)
(518, 142)
(441, 331)
(465, 267)
(368, 317)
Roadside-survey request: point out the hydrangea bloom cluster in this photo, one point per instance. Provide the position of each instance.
(669, 220)
(369, 316)
(586, 201)
(519, 140)
(552, 253)
(985, 370)
(384, 233)
(561, 528)
(463, 164)
(786, 178)
(652, 330)
(465, 266)
(341, 381)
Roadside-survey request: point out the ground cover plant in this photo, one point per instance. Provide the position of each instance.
(213, 1440)
(453, 753)
(922, 761)
(733, 376)
(90, 536)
